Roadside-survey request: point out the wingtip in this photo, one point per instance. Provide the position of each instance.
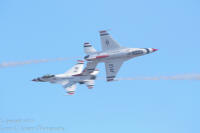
(70, 93)
(110, 80)
(104, 31)
(90, 86)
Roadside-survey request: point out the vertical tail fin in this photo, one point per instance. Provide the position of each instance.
(76, 69)
(88, 48)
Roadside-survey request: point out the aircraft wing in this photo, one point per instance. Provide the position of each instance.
(112, 68)
(70, 87)
(107, 42)
(91, 65)
(63, 83)
(76, 69)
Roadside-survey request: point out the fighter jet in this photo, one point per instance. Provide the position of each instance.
(70, 78)
(112, 54)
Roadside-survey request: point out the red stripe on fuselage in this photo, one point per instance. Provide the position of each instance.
(102, 56)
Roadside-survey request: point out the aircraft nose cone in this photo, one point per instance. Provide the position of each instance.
(34, 80)
(154, 50)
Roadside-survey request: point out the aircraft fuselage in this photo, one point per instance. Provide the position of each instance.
(124, 54)
(62, 77)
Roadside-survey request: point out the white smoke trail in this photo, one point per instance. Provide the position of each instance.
(20, 63)
(174, 77)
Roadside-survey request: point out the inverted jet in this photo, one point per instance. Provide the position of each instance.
(112, 54)
(70, 78)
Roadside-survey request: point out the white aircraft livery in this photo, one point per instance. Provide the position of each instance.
(112, 54)
(70, 78)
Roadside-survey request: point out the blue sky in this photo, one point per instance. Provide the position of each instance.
(48, 29)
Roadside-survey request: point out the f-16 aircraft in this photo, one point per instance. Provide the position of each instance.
(70, 78)
(112, 54)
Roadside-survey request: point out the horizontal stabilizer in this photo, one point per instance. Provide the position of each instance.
(89, 84)
(88, 48)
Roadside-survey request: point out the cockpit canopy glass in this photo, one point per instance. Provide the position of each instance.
(48, 76)
(87, 56)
